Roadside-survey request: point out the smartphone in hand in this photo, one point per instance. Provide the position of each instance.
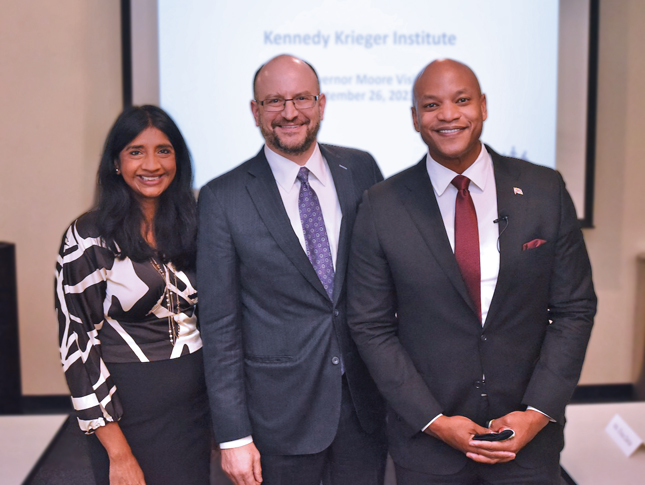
(505, 434)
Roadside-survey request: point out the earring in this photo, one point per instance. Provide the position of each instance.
(117, 170)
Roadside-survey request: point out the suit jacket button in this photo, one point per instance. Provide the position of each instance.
(335, 360)
(483, 338)
(336, 313)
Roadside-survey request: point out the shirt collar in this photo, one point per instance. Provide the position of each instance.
(478, 173)
(285, 171)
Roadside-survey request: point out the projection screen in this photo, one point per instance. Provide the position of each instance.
(534, 60)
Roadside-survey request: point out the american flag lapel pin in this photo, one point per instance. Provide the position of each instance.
(517, 191)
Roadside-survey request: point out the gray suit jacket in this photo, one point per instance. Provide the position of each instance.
(418, 332)
(273, 338)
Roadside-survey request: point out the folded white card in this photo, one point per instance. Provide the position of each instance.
(624, 436)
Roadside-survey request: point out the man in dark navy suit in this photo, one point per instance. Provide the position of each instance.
(470, 298)
(292, 402)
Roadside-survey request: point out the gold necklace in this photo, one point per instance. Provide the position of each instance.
(172, 299)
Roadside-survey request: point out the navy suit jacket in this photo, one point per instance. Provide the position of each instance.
(273, 338)
(420, 335)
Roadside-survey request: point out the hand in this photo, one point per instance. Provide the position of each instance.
(526, 425)
(242, 465)
(458, 431)
(125, 470)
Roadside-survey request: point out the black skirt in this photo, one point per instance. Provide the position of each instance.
(165, 421)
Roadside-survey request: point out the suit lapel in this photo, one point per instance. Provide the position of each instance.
(344, 183)
(424, 211)
(263, 190)
(513, 207)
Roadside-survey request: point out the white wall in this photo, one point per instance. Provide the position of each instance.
(60, 90)
(619, 234)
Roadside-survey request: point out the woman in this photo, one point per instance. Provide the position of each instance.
(125, 298)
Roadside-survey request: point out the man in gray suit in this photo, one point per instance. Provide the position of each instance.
(291, 400)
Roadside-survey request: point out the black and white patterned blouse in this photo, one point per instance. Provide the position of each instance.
(114, 310)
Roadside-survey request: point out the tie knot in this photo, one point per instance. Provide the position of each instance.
(461, 182)
(303, 175)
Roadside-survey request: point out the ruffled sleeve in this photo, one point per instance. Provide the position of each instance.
(80, 288)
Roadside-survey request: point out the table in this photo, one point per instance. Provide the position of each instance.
(23, 439)
(590, 456)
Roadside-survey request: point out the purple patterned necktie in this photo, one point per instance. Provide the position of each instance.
(313, 226)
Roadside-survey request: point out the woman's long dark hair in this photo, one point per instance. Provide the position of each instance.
(119, 214)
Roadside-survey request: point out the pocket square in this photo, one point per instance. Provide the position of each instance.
(536, 243)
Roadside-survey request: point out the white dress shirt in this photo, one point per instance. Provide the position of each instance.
(285, 172)
(484, 194)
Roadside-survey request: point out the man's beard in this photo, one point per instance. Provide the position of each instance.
(272, 139)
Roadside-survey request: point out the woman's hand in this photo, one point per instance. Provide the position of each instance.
(124, 468)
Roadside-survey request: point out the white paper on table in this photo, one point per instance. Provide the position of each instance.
(624, 436)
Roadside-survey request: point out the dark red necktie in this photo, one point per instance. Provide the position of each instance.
(467, 241)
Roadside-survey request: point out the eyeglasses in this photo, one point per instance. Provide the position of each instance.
(303, 101)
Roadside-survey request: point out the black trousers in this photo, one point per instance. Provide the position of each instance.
(353, 458)
(481, 474)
